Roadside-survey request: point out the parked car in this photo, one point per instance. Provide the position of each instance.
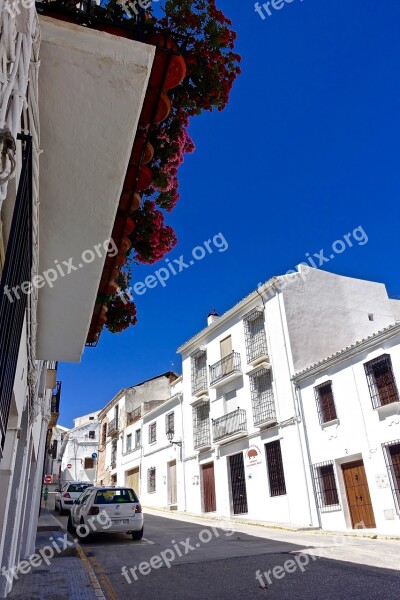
(107, 509)
(68, 493)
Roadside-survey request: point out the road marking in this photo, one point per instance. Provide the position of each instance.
(147, 541)
(102, 579)
(94, 582)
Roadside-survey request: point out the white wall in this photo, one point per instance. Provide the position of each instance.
(76, 447)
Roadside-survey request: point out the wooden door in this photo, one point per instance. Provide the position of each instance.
(172, 496)
(210, 499)
(238, 484)
(358, 496)
(226, 355)
(132, 479)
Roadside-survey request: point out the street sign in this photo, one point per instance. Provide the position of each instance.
(69, 466)
(94, 455)
(47, 478)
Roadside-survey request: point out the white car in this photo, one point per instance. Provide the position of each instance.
(68, 493)
(107, 509)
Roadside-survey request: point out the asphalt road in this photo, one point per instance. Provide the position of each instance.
(183, 560)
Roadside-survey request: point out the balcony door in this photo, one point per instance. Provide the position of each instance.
(226, 355)
(209, 497)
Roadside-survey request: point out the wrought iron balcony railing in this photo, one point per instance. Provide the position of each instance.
(264, 412)
(202, 436)
(199, 381)
(55, 398)
(112, 427)
(232, 424)
(226, 366)
(134, 415)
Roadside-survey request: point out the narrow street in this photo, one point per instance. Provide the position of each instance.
(216, 563)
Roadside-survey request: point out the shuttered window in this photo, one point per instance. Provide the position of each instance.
(325, 402)
(277, 485)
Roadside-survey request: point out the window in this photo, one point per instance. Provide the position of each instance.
(128, 443)
(138, 437)
(170, 422)
(113, 479)
(325, 485)
(91, 418)
(92, 435)
(254, 331)
(116, 496)
(104, 433)
(89, 463)
(201, 425)
(325, 402)
(114, 452)
(199, 371)
(381, 381)
(276, 475)
(152, 433)
(77, 487)
(262, 397)
(392, 457)
(151, 480)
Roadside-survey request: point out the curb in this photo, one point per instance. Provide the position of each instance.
(94, 582)
(311, 530)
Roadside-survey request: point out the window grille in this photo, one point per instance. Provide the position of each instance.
(326, 486)
(276, 474)
(170, 422)
(381, 381)
(325, 402)
(199, 371)
(262, 397)
(201, 425)
(152, 433)
(151, 480)
(391, 453)
(256, 340)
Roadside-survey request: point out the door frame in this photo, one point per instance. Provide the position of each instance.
(349, 517)
(203, 503)
(169, 502)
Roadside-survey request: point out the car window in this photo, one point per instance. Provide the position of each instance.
(115, 497)
(78, 487)
(84, 497)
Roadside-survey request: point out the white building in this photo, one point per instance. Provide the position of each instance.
(351, 407)
(78, 452)
(121, 431)
(46, 310)
(56, 436)
(247, 446)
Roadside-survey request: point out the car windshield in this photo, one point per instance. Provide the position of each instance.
(78, 487)
(115, 496)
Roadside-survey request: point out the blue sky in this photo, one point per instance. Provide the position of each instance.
(307, 151)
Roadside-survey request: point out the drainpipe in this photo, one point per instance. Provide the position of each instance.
(183, 456)
(279, 297)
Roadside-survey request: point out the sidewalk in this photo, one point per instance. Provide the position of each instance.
(232, 521)
(65, 576)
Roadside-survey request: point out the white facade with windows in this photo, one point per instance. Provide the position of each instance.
(247, 451)
(78, 453)
(353, 430)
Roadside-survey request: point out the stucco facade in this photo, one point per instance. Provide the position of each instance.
(80, 444)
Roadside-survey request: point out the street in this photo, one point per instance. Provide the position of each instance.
(182, 560)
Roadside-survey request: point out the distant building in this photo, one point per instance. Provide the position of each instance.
(78, 452)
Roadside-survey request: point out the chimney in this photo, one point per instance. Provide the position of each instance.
(212, 316)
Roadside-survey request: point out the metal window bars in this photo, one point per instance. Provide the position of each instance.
(276, 475)
(201, 426)
(391, 452)
(170, 422)
(151, 480)
(262, 397)
(16, 271)
(325, 402)
(255, 337)
(134, 415)
(152, 433)
(381, 381)
(199, 372)
(326, 486)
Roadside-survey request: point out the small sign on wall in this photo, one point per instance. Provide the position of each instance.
(253, 456)
(382, 481)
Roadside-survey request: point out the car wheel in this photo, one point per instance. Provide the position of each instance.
(70, 525)
(62, 511)
(80, 533)
(55, 507)
(137, 535)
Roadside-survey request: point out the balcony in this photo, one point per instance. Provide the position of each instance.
(114, 461)
(91, 141)
(230, 426)
(55, 405)
(225, 370)
(202, 437)
(134, 415)
(112, 428)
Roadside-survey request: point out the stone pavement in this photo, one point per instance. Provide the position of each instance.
(68, 576)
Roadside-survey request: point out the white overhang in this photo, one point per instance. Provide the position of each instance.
(91, 90)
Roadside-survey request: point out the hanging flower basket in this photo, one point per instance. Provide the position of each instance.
(142, 152)
(144, 177)
(151, 100)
